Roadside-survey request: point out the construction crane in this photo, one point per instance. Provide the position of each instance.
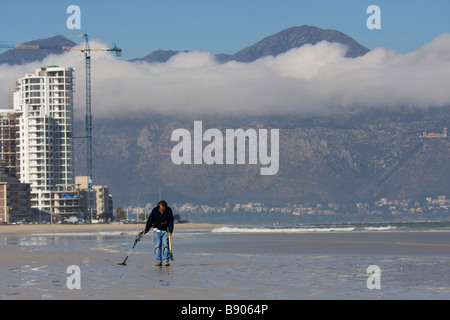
(88, 126)
(87, 54)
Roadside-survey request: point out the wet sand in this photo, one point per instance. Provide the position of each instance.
(31, 228)
(209, 265)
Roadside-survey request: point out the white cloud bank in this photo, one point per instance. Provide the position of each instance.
(311, 78)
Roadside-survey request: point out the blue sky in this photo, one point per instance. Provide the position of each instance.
(219, 26)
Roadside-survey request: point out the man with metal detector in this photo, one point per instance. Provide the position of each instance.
(161, 219)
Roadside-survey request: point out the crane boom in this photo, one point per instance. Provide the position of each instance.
(115, 49)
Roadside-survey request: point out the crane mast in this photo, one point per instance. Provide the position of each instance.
(88, 126)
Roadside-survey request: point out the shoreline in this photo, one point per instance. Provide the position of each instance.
(135, 227)
(25, 228)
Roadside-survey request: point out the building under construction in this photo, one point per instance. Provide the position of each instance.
(15, 197)
(8, 135)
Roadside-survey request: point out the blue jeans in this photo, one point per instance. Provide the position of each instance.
(161, 245)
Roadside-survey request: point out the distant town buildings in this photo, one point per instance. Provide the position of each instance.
(383, 206)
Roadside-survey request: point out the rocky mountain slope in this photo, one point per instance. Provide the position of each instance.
(345, 156)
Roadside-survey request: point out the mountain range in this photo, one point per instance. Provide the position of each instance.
(273, 45)
(343, 156)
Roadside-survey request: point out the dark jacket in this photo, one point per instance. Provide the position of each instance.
(159, 220)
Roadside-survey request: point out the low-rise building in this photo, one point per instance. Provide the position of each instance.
(15, 199)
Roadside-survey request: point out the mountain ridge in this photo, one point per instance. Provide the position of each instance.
(272, 45)
(296, 37)
(281, 42)
(22, 56)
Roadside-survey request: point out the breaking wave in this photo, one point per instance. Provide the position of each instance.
(350, 227)
(301, 229)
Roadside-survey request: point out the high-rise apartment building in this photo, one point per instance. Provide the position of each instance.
(44, 105)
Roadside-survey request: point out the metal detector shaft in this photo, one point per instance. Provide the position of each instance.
(138, 238)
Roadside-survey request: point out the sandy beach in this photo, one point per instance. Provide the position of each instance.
(217, 262)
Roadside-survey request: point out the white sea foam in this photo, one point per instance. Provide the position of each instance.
(305, 229)
(380, 228)
(280, 230)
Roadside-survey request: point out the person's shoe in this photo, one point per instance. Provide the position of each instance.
(166, 264)
(158, 264)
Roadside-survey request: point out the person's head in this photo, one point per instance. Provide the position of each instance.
(162, 205)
